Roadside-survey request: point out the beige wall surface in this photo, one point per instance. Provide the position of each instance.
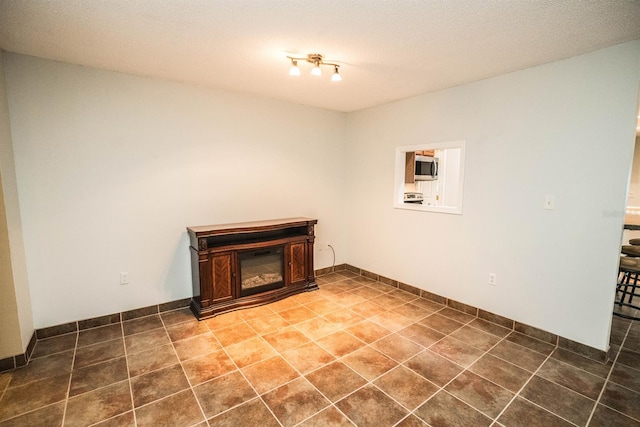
(565, 129)
(15, 304)
(112, 168)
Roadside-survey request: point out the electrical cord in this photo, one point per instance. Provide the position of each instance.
(334, 256)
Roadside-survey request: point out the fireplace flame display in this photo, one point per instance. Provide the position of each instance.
(261, 280)
(261, 270)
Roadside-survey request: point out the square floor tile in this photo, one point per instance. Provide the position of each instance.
(158, 384)
(307, 357)
(54, 345)
(560, 400)
(252, 413)
(250, 351)
(367, 309)
(340, 343)
(521, 409)
(41, 368)
(500, 372)
(142, 324)
(268, 324)
(371, 407)
(407, 387)
(391, 321)
(184, 330)
(412, 311)
(98, 375)
(479, 393)
(397, 347)
(286, 339)
(223, 393)
(344, 317)
(421, 334)
(96, 335)
(98, 405)
(176, 316)
(441, 323)
(269, 374)
(626, 377)
(518, 355)
(622, 400)
(207, 367)
(152, 359)
(235, 334)
(444, 409)
(369, 363)
(336, 380)
(33, 395)
(297, 314)
(531, 343)
(299, 394)
(176, 410)
(47, 416)
(457, 351)
(146, 340)
(607, 417)
(329, 417)
(475, 337)
(571, 377)
(368, 331)
(317, 328)
(323, 306)
(584, 363)
(97, 353)
(196, 346)
(456, 315)
(435, 368)
(224, 320)
(490, 328)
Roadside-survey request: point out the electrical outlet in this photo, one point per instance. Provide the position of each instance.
(492, 279)
(124, 278)
(549, 202)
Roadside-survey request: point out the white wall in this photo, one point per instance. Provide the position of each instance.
(529, 133)
(111, 168)
(633, 201)
(15, 303)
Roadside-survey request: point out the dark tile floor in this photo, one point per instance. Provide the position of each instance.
(355, 352)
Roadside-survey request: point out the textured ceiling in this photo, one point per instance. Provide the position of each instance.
(388, 49)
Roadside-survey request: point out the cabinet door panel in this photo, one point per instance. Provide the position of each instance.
(297, 262)
(221, 269)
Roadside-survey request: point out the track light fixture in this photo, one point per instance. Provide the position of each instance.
(316, 60)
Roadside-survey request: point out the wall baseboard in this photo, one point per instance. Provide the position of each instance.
(531, 331)
(20, 360)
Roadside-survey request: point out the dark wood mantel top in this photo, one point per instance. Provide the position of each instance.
(240, 227)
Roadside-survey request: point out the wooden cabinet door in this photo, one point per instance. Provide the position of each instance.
(410, 167)
(223, 276)
(297, 258)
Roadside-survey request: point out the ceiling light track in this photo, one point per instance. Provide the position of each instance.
(317, 61)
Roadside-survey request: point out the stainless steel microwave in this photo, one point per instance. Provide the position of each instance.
(426, 168)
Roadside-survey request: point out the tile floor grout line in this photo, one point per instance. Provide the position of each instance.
(517, 394)
(73, 361)
(409, 411)
(593, 411)
(370, 345)
(184, 372)
(126, 361)
(258, 395)
(465, 369)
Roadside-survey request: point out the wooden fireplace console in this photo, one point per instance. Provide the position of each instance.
(216, 253)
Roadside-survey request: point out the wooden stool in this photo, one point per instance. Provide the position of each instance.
(627, 283)
(631, 250)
